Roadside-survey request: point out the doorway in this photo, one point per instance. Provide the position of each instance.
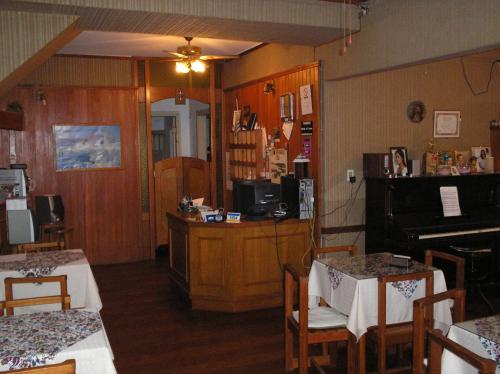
(203, 135)
(164, 136)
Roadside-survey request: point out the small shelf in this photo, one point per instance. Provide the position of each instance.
(242, 146)
(244, 163)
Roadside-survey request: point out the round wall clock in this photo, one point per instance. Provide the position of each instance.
(415, 111)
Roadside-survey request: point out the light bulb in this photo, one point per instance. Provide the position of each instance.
(181, 67)
(198, 66)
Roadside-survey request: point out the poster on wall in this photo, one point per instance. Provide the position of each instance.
(305, 99)
(87, 147)
(278, 164)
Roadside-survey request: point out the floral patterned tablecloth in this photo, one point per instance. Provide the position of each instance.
(481, 336)
(350, 285)
(373, 266)
(32, 339)
(41, 264)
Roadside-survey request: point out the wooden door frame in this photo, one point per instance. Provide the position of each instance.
(213, 164)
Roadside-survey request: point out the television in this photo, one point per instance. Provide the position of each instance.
(256, 197)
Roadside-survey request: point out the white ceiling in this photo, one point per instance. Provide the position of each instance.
(124, 44)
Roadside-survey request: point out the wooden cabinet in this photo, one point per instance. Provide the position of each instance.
(234, 267)
(247, 154)
(495, 146)
(11, 120)
(3, 228)
(175, 178)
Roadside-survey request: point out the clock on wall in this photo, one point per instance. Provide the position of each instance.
(415, 111)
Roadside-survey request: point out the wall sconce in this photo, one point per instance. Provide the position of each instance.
(269, 88)
(40, 96)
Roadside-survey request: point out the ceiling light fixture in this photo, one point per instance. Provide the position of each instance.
(184, 67)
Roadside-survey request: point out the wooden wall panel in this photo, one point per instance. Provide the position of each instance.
(82, 71)
(268, 112)
(102, 206)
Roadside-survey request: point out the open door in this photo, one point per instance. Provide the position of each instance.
(175, 178)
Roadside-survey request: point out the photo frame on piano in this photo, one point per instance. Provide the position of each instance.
(399, 161)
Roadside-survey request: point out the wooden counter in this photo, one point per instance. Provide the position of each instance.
(234, 267)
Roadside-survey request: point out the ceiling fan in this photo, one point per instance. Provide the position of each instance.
(189, 58)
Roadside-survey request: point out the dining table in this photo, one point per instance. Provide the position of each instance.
(82, 286)
(36, 339)
(481, 336)
(350, 285)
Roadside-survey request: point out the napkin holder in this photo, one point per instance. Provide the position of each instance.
(401, 261)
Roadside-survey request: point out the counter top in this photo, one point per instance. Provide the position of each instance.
(194, 219)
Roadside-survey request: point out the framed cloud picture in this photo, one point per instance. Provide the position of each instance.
(87, 147)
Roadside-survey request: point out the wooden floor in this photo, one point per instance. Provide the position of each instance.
(151, 330)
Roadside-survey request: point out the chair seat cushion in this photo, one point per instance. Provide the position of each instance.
(323, 317)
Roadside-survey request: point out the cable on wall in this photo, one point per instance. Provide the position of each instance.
(493, 64)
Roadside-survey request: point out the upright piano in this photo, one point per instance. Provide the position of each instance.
(405, 215)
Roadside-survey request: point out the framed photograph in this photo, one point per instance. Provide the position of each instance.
(446, 124)
(399, 161)
(84, 147)
(478, 157)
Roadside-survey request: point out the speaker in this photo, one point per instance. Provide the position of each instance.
(376, 165)
(49, 209)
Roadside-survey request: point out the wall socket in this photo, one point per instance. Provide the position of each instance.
(350, 174)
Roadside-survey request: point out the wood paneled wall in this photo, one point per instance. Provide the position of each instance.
(267, 108)
(82, 71)
(103, 207)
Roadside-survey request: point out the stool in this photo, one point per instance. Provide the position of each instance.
(475, 274)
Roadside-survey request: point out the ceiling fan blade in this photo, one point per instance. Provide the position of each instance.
(218, 57)
(179, 55)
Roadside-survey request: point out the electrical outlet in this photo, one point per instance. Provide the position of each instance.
(350, 174)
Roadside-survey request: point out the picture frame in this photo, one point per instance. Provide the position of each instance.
(87, 146)
(447, 124)
(398, 160)
(479, 154)
(286, 107)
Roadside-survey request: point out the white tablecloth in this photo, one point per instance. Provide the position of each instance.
(358, 299)
(93, 355)
(82, 286)
(463, 334)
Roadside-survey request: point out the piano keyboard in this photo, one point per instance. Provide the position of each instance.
(458, 233)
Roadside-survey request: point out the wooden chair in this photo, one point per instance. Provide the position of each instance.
(63, 298)
(423, 321)
(324, 325)
(438, 342)
(458, 261)
(352, 249)
(384, 334)
(66, 367)
(41, 246)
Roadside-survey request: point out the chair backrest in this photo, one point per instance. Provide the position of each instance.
(63, 298)
(423, 322)
(41, 246)
(66, 367)
(351, 249)
(428, 276)
(296, 288)
(438, 342)
(458, 261)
